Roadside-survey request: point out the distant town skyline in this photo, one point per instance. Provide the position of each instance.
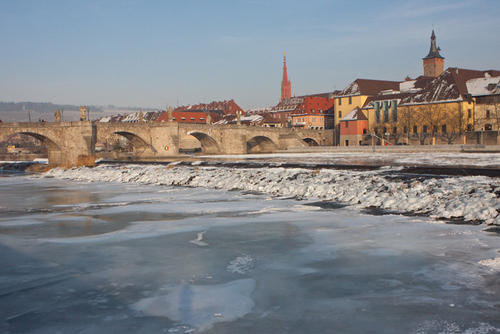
(159, 53)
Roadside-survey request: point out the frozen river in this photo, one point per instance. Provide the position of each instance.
(113, 257)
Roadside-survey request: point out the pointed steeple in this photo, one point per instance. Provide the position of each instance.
(433, 62)
(286, 86)
(434, 50)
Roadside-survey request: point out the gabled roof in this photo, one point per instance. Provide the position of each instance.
(368, 87)
(355, 115)
(449, 86)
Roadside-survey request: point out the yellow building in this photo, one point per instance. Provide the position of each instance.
(485, 92)
(312, 121)
(442, 112)
(356, 94)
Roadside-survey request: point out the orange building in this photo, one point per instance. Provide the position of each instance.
(315, 112)
(353, 128)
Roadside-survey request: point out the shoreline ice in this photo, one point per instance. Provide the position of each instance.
(471, 198)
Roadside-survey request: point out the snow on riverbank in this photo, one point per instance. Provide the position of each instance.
(469, 198)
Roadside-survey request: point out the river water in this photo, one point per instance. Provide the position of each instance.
(132, 258)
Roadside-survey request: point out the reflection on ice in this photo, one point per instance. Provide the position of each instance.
(201, 306)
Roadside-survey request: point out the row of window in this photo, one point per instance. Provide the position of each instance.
(349, 100)
(192, 118)
(425, 129)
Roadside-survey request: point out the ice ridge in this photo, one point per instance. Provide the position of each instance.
(472, 198)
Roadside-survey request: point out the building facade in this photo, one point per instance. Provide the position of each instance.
(353, 128)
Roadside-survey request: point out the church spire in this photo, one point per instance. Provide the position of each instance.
(434, 50)
(433, 62)
(286, 86)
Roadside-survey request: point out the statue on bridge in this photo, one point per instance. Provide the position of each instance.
(238, 118)
(83, 113)
(57, 116)
(209, 119)
(141, 116)
(169, 114)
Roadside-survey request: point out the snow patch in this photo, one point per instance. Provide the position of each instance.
(241, 265)
(493, 264)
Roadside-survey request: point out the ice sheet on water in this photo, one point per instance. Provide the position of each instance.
(201, 306)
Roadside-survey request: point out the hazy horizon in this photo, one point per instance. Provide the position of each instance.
(158, 53)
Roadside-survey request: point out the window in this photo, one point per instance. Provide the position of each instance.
(340, 114)
(469, 113)
(415, 129)
(350, 99)
(395, 130)
(405, 129)
(347, 124)
(394, 112)
(424, 130)
(443, 128)
(340, 101)
(469, 126)
(377, 112)
(386, 111)
(488, 114)
(365, 131)
(183, 118)
(312, 111)
(435, 129)
(488, 127)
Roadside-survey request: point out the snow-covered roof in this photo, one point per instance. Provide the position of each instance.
(448, 86)
(407, 86)
(355, 115)
(132, 117)
(483, 86)
(252, 118)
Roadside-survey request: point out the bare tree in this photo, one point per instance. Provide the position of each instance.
(456, 124)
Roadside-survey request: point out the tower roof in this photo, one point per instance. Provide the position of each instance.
(434, 50)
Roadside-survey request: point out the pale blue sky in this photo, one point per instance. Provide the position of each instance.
(158, 53)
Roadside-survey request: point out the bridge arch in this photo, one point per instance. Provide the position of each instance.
(310, 141)
(261, 144)
(208, 144)
(138, 143)
(45, 140)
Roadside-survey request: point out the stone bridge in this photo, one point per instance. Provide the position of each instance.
(68, 143)
(73, 143)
